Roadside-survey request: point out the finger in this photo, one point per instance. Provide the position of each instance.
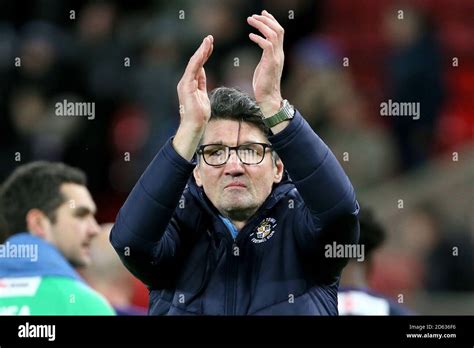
(197, 60)
(208, 53)
(272, 24)
(264, 44)
(263, 28)
(208, 49)
(202, 80)
(269, 15)
(211, 47)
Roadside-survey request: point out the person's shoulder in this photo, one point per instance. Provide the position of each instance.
(361, 301)
(76, 297)
(93, 302)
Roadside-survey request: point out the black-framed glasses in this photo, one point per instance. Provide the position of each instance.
(218, 154)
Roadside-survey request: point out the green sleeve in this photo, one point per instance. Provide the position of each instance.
(53, 296)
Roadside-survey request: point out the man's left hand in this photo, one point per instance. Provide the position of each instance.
(267, 75)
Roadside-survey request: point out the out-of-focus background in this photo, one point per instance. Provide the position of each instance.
(343, 59)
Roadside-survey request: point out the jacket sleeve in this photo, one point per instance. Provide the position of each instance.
(146, 232)
(330, 208)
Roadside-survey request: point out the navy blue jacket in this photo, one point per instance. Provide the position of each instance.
(170, 236)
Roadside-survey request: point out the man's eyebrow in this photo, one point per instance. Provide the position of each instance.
(83, 211)
(252, 142)
(220, 142)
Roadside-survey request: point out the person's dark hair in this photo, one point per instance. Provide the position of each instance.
(232, 104)
(372, 234)
(35, 185)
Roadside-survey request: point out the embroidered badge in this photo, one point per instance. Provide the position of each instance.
(264, 231)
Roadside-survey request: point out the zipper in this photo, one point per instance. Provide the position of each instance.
(232, 263)
(233, 267)
(232, 275)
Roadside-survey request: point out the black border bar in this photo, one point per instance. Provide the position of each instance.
(135, 331)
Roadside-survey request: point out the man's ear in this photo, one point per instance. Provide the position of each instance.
(197, 175)
(278, 169)
(38, 224)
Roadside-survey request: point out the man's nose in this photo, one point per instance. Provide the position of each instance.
(234, 165)
(94, 228)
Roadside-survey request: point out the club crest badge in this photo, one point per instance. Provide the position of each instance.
(264, 231)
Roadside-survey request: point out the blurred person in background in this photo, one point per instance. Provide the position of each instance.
(49, 217)
(41, 60)
(316, 75)
(445, 249)
(38, 73)
(355, 296)
(156, 68)
(323, 89)
(99, 55)
(107, 275)
(223, 22)
(431, 254)
(365, 150)
(414, 75)
(103, 65)
(41, 133)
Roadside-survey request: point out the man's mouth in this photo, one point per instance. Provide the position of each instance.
(236, 184)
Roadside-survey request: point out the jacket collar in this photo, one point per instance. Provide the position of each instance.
(38, 258)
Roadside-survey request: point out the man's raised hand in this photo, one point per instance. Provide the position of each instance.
(267, 75)
(194, 104)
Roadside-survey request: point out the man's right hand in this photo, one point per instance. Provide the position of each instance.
(194, 104)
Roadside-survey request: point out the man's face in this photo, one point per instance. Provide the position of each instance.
(75, 225)
(255, 181)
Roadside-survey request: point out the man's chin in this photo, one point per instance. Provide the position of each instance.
(238, 208)
(236, 201)
(81, 262)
